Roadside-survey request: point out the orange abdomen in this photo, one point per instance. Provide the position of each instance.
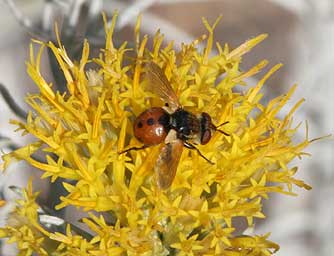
(151, 126)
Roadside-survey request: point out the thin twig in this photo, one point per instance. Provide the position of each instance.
(11, 103)
(25, 22)
(131, 12)
(6, 142)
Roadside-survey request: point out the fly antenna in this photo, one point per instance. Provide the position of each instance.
(221, 131)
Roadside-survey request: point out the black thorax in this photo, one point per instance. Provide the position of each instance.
(185, 123)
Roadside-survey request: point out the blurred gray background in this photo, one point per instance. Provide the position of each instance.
(301, 35)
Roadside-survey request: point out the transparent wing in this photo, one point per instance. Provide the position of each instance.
(159, 85)
(167, 163)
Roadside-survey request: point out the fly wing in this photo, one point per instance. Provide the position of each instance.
(167, 163)
(159, 85)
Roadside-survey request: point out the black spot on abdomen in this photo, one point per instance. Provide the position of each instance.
(140, 125)
(150, 121)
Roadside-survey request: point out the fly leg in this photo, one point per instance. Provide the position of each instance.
(191, 146)
(133, 148)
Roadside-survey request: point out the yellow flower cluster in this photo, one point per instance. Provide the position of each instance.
(89, 125)
(23, 227)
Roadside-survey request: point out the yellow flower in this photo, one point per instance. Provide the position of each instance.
(23, 226)
(188, 246)
(89, 125)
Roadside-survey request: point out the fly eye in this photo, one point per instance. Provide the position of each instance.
(206, 136)
(206, 117)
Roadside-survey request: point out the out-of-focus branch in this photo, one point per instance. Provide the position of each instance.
(131, 12)
(24, 21)
(11, 103)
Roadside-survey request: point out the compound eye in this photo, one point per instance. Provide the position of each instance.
(206, 117)
(206, 136)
